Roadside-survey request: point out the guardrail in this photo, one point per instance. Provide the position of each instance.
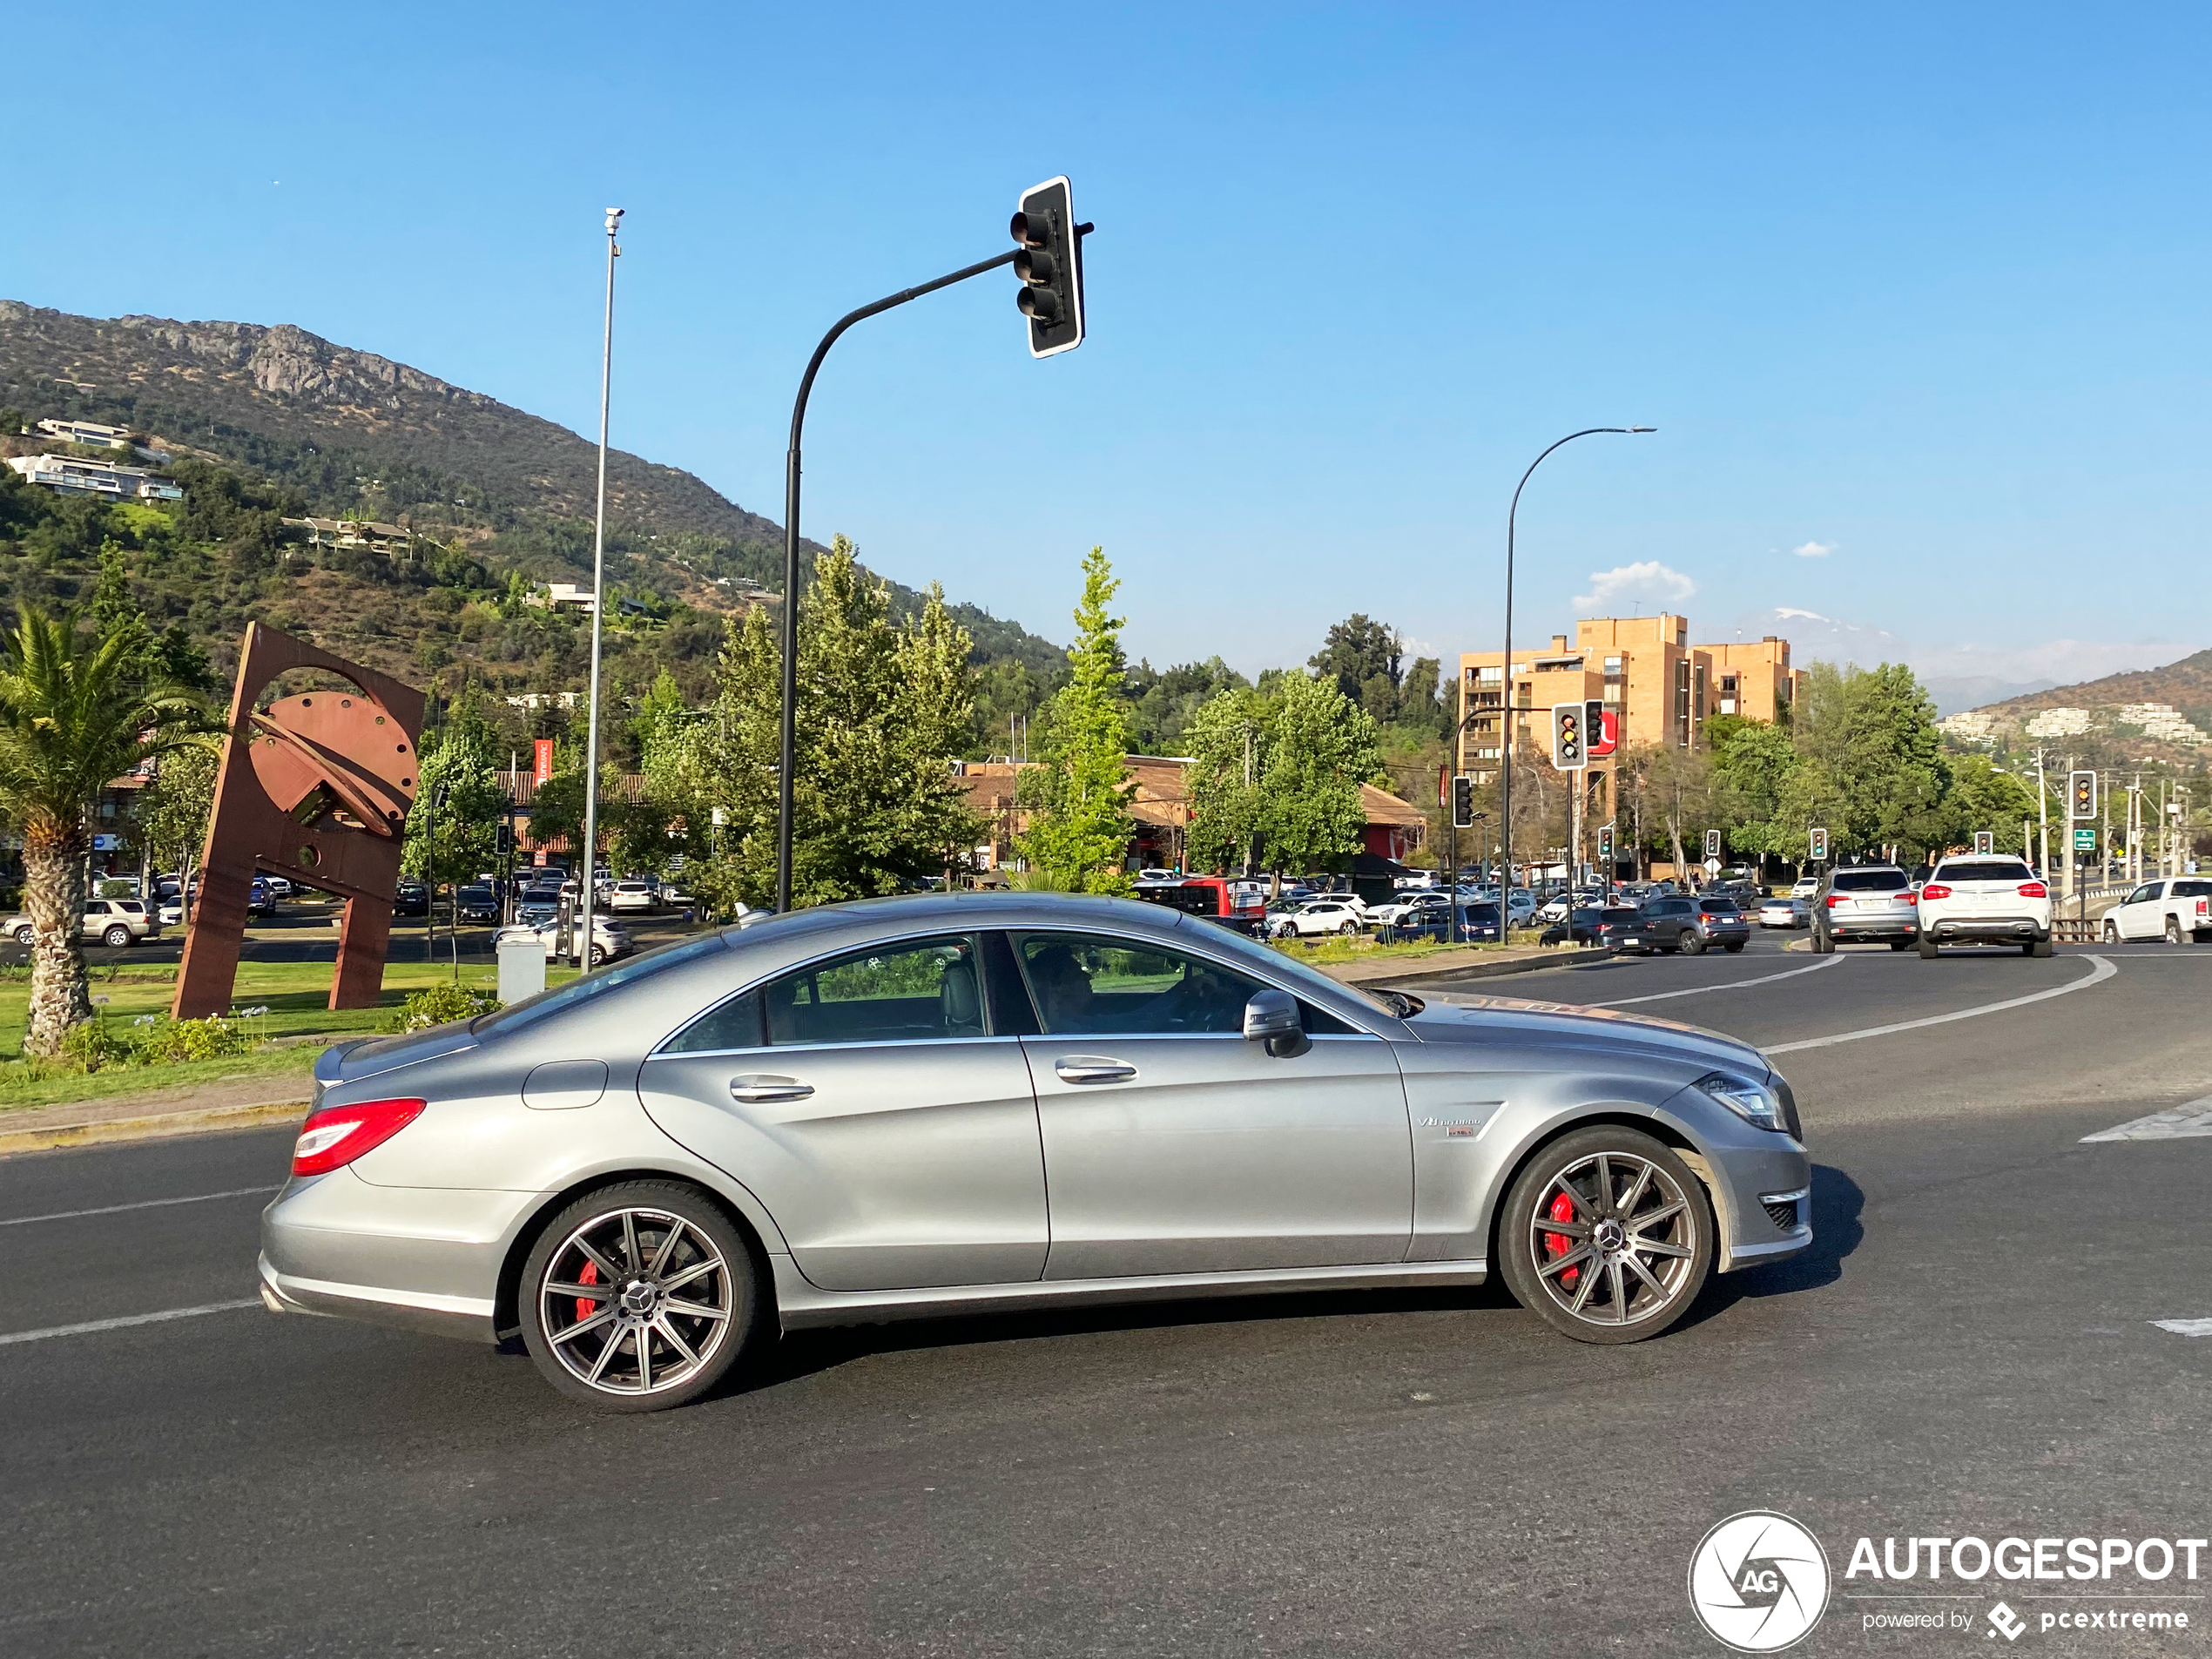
(2069, 930)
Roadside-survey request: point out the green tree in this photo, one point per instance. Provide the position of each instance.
(457, 838)
(1982, 797)
(1323, 746)
(1358, 653)
(884, 706)
(172, 813)
(1227, 738)
(1079, 823)
(1754, 761)
(74, 713)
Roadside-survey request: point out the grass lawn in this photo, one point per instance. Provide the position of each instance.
(293, 993)
(1358, 949)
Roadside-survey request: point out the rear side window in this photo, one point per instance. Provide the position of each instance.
(931, 989)
(1982, 870)
(1718, 907)
(1869, 880)
(2193, 889)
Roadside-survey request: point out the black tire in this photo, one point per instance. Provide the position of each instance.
(739, 1293)
(598, 957)
(1524, 1248)
(1927, 948)
(116, 937)
(2039, 947)
(1737, 948)
(1900, 944)
(1690, 942)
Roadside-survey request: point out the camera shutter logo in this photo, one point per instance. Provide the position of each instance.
(1758, 1582)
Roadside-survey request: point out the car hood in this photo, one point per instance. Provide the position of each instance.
(1490, 1019)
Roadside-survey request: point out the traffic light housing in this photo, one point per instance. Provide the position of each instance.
(1605, 849)
(1712, 844)
(1462, 801)
(2081, 788)
(1567, 737)
(1050, 265)
(1600, 731)
(504, 842)
(1817, 847)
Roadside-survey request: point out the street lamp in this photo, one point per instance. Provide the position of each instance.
(586, 887)
(1505, 676)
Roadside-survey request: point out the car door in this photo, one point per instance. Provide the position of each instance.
(1174, 1144)
(874, 1107)
(2137, 915)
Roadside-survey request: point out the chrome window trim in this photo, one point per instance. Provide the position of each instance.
(818, 1047)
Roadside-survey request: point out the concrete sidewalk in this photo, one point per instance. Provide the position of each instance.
(244, 1102)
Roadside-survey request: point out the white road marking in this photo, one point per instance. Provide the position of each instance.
(2185, 1327)
(91, 1325)
(144, 1203)
(2103, 970)
(2196, 1119)
(1733, 985)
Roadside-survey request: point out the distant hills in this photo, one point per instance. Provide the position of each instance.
(2125, 709)
(354, 435)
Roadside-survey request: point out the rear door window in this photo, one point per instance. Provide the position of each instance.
(905, 992)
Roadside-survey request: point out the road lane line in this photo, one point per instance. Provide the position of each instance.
(1733, 985)
(144, 1204)
(2103, 971)
(2196, 1119)
(2185, 1327)
(91, 1325)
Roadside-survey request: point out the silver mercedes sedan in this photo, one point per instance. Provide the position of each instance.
(955, 1104)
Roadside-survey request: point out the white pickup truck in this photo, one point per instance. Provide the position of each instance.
(2176, 909)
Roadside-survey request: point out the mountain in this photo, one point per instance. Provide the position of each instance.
(353, 434)
(2155, 713)
(1953, 693)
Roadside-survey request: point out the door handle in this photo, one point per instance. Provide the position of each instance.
(1091, 1069)
(754, 1089)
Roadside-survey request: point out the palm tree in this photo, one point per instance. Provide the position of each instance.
(74, 713)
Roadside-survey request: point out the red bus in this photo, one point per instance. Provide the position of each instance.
(1212, 897)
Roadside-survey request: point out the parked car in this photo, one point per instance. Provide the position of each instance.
(260, 899)
(170, 912)
(1864, 902)
(109, 921)
(413, 899)
(779, 1081)
(2175, 909)
(1784, 911)
(476, 904)
(1985, 901)
(610, 940)
(534, 912)
(1591, 925)
(633, 895)
(1316, 918)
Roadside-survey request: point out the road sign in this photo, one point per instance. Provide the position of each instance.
(2085, 840)
(1462, 802)
(1050, 265)
(1712, 867)
(1818, 850)
(1712, 845)
(2081, 789)
(1984, 840)
(1567, 737)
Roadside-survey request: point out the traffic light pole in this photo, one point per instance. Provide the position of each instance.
(787, 757)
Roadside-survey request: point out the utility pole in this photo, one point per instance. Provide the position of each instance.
(587, 884)
(2042, 817)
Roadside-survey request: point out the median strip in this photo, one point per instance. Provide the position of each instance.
(2196, 1119)
(2101, 971)
(91, 1326)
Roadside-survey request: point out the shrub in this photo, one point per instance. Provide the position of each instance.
(438, 1004)
(156, 1039)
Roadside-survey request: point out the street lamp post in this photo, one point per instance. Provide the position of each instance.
(586, 883)
(1505, 679)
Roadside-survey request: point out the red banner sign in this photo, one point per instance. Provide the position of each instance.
(542, 759)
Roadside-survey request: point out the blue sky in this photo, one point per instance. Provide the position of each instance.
(1915, 296)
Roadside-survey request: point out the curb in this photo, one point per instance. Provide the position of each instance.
(157, 1126)
(1563, 958)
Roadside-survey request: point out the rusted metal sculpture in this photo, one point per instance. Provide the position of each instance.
(317, 790)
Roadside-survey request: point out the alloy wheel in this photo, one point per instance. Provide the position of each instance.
(1613, 1237)
(635, 1301)
(2112, 933)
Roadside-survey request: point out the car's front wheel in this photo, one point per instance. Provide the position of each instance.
(638, 1297)
(2112, 932)
(1607, 1237)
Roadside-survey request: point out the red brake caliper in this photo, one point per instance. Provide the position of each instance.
(591, 1276)
(1559, 1244)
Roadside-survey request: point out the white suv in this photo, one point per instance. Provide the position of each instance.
(2174, 910)
(1978, 900)
(1337, 914)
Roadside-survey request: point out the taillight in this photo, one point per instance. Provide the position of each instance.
(2204, 907)
(1835, 899)
(2036, 890)
(335, 1135)
(1934, 890)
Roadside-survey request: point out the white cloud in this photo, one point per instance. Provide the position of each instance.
(1785, 612)
(1646, 579)
(1813, 549)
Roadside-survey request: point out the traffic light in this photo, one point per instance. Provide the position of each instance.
(1818, 851)
(1462, 802)
(1050, 265)
(1567, 737)
(504, 842)
(1605, 850)
(1601, 731)
(1712, 844)
(2082, 786)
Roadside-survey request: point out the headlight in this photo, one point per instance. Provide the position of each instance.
(1754, 1103)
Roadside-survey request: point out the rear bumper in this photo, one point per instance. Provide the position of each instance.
(1904, 927)
(2008, 927)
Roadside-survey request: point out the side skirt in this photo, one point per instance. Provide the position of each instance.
(801, 1305)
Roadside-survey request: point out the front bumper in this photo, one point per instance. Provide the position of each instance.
(1753, 1187)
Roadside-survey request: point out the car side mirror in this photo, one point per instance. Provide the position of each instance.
(1271, 1017)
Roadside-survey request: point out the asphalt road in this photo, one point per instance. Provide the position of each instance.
(1968, 1349)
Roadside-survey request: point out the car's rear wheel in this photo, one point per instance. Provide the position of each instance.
(1691, 942)
(116, 937)
(1607, 1237)
(2173, 931)
(638, 1297)
(2039, 948)
(1734, 949)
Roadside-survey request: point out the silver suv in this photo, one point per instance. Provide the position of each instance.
(1870, 901)
(110, 922)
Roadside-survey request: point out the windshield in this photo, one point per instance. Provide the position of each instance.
(645, 966)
